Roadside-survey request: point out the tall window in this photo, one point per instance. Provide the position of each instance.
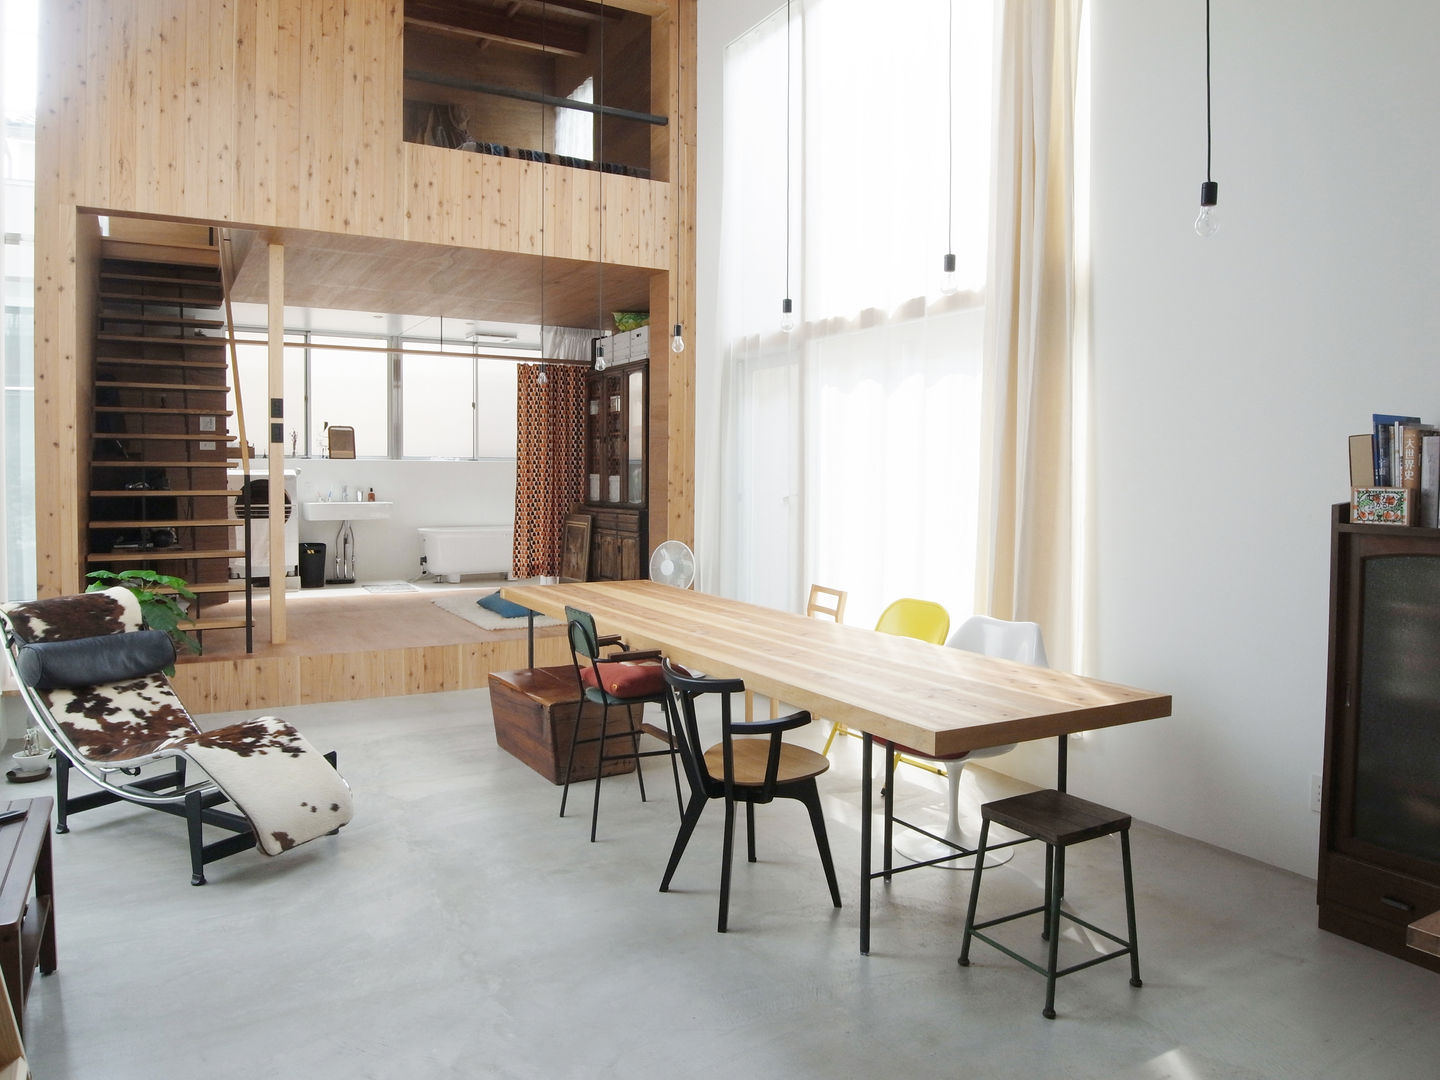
(849, 448)
(351, 388)
(457, 406)
(17, 278)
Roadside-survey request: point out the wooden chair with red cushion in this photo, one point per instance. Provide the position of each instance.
(619, 679)
(752, 771)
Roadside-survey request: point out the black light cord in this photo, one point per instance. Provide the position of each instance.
(950, 132)
(787, 149)
(1207, 91)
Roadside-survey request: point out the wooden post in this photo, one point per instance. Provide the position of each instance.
(275, 435)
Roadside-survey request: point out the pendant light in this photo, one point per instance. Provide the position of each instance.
(1206, 223)
(949, 282)
(787, 309)
(601, 360)
(677, 341)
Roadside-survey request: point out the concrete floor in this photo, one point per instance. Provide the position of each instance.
(459, 928)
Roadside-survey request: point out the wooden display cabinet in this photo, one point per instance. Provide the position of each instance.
(1379, 866)
(617, 402)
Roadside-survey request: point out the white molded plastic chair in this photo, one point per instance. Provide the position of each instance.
(1020, 641)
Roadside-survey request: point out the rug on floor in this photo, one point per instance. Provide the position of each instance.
(470, 611)
(391, 586)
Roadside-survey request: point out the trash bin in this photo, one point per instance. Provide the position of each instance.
(312, 565)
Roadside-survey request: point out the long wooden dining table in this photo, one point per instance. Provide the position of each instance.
(938, 700)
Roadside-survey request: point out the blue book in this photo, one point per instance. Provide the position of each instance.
(1384, 435)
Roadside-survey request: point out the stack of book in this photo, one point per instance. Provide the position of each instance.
(1395, 472)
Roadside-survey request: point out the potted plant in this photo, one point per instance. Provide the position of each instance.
(32, 762)
(160, 597)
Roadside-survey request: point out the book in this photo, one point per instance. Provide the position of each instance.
(1430, 479)
(1406, 466)
(1384, 429)
(1362, 461)
(1381, 506)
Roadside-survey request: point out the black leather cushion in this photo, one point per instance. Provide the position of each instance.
(95, 661)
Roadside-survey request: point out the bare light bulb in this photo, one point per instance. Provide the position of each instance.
(677, 342)
(949, 281)
(600, 362)
(1206, 222)
(541, 379)
(787, 315)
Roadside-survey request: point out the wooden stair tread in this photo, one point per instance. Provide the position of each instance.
(232, 622)
(150, 361)
(168, 523)
(166, 555)
(227, 586)
(159, 279)
(164, 300)
(159, 410)
(217, 463)
(206, 388)
(174, 339)
(176, 254)
(127, 436)
(140, 493)
(159, 320)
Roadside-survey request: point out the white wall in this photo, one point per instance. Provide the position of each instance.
(1228, 372)
(424, 493)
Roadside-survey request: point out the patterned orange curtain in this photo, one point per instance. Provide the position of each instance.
(549, 463)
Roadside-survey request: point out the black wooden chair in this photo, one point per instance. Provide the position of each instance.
(619, 679)
(741, 770)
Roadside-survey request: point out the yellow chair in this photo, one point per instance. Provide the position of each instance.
(920, 619)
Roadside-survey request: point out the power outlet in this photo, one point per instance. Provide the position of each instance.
(1315, 793)
(207, 423)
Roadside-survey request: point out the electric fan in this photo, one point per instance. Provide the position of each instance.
(672, 563)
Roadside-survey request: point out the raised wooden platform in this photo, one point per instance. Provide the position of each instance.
(346, 645)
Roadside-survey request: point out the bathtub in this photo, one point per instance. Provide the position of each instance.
(452, 550)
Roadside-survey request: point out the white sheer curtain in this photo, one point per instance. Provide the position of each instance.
(847, 452)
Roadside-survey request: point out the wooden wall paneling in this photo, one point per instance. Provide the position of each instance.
(200, 91)
(221, 107)
(354, 137)
(324, 83)
(246, 167)
(293, 172)
(86, 310)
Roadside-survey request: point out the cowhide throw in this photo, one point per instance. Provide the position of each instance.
(282, 784)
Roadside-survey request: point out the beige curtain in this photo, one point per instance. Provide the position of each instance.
(1026, 547)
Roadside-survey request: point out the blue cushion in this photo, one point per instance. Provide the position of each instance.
(506, 609)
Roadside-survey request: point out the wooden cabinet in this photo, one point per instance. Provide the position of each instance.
(615, 471)
(1379, 865)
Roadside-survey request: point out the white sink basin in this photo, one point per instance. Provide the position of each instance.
(345, 511)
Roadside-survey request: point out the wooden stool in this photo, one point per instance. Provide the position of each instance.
(1058, 820)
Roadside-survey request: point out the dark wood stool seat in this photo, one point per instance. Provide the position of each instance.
(1058, 820)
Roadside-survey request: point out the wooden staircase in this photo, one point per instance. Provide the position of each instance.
(161, 440)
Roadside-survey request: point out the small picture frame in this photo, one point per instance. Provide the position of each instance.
(575, 548)
(1381, 506)
(341, 441)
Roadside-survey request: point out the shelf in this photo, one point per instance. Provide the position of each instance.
(345, 511)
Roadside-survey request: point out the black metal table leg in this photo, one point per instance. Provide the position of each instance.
(868, 742)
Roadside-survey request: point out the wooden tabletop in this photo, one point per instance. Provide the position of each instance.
(936, 699)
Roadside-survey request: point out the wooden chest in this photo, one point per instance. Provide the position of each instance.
(535, 711)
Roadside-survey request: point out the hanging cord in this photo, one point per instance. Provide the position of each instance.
(950, 133)
(1207, 91)
(787, 149)
(599, 155)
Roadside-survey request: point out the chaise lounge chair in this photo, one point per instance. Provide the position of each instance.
(93, 681)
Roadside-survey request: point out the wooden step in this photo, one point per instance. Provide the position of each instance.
(165, 555)
(210, 388)
(149, 361)
(159, 279)
(229, 585)
(160, 320)
(166, 301)
(230, 623)
(215, 463)
(169, 523)
(155, 339)
(131, 436)
(141, 493)
(157, 410)
(177, 254)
